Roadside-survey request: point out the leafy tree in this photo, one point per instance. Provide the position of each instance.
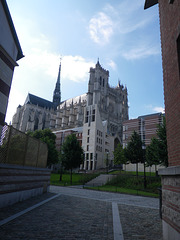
(134, 150)
(152, 156)
(162, 145)
(119, 155)
(72, 153)
(156, 152)
(49, 138)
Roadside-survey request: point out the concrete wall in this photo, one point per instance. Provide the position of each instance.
(132, 168)
(18, 183)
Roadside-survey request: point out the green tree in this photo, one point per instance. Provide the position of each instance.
(72, 153)
(119, 155)
(152, 156)
(49, 138)
(162, 145)
(156, 152)
(134, 150)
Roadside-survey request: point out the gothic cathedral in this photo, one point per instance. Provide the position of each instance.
(111, 102)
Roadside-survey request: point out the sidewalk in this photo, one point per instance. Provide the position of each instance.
(83, 214)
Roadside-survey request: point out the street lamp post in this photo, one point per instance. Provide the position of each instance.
(107, 161)
(144, 159)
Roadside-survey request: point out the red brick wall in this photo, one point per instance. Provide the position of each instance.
(170, 29)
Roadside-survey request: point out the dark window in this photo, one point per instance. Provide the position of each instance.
(100, 80)
(103, 82)
(178, 52)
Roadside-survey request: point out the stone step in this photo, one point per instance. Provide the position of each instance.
(100, 180)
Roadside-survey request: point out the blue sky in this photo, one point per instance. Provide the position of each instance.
(124, 36)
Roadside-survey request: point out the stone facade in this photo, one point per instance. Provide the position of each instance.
(112, 103)
(98, 145)
(169, 11)
(100, 111)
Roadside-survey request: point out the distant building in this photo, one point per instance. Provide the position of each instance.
(169, 11)
(146, 126)
(100, 111)
(97, 144)
(10, 52)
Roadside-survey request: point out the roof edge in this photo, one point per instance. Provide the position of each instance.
(150, 3)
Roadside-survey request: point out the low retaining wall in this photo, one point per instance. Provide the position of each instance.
(170, 202)
(18, 183)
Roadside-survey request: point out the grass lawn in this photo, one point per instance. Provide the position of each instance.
(123, 183)
(148, 174)
(130, 184)
(77, 179)
(110, 188)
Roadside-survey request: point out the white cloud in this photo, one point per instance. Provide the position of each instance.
(124, 21)
(76, 68)
(112, 64)
(155, 109)
(140, 52)
(159, 109)
(101, 28)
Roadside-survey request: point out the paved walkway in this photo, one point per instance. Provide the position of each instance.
(70, 213)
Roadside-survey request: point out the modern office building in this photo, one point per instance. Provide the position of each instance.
(10, 53)
(146, 126)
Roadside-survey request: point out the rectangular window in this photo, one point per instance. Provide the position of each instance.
(88, 131)
(87, 156)
(91, 156)
(178, 52)
(87, 139)
(87, 147)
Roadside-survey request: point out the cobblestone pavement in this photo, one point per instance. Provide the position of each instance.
(83, 214)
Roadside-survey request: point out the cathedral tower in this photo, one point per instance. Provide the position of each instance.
(57, 90)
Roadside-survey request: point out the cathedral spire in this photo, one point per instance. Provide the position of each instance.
(57, 90)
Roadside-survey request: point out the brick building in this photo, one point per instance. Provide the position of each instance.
(169, 11)
(62, 134)
(145, 126)
(10, 52)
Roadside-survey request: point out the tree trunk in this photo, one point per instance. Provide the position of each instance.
(60, 177)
